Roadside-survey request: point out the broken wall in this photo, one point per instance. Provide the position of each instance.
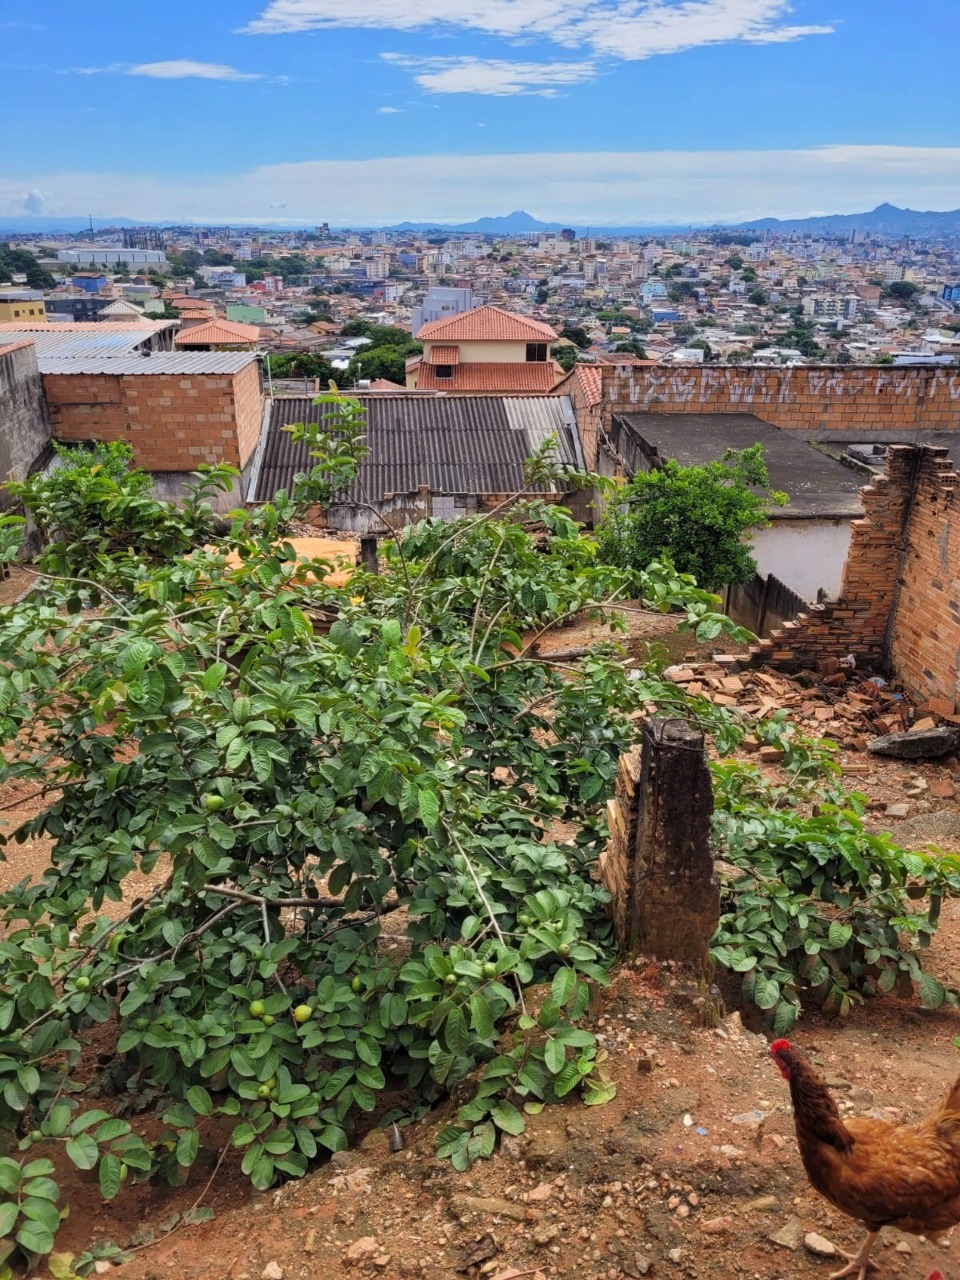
(899, 602)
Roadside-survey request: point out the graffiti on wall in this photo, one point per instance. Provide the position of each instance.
(643, 389)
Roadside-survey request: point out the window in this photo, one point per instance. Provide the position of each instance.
(536, 352)
(444, 370)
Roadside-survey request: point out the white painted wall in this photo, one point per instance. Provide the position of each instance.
(804, 554)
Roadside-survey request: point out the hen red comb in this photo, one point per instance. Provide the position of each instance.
(780, 1046)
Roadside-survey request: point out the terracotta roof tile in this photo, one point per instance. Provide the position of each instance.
(444, 355)
(219, 333)
(505, 378)
(590, 377)
(486, 324)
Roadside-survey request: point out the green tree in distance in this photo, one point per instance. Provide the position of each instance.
(697, 516)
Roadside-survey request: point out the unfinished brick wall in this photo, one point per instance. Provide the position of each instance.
(812, 398)
(173, 422)
(925, 633)
(899, 605)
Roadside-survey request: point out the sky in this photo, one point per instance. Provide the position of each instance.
(374, 111)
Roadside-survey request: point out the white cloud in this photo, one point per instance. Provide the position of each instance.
(389, 111)
(631, 29)
(186, 69)
(493, 76)
(589, 187)
(500, 17)
(647, 28)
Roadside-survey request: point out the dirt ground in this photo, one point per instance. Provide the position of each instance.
(691, 1171)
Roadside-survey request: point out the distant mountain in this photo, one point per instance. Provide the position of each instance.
(521, 223)
(885, 220)
(516, 223)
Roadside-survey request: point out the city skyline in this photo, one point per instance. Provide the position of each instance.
(605, 112)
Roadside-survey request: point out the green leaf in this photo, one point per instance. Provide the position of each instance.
(111, 1176)
(200, 1100)
(42, 1189)
(187, 1147)
(506, 1117)
(83, 1151)
(562, 987)
(333, 1138)
(428, 806)
(10, 1175)
(838, 935)
(598, 1092)
(111, 1129)
(554, 1055)
(8, 1216)
(34, 1238)
(932, 992)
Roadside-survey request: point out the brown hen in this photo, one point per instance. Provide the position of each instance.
(881, 1173)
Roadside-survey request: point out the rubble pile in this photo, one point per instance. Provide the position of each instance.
(861, 713)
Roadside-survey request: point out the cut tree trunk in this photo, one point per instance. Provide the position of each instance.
(674, 890)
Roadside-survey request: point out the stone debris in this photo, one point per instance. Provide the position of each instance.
(819, 1245)
(790, 1235)
(716, 1226)
(918, 744)
(362, 1250)
(272, 1271)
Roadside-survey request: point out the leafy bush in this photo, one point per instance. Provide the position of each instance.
(697, 516)
(819, 907)
(289, 784)
(100, 520)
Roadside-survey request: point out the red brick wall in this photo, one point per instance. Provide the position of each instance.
(248, 399)
(173, 422)
(899, 604)
(925, 636)
(825, 398)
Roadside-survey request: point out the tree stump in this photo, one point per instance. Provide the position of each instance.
(674, 902)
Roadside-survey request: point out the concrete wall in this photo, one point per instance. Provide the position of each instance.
(816, 398)
(24, 421)
(806, 555)
(482, 352)
(172, 422)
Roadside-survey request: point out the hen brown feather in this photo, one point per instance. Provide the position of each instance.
(878, 1172)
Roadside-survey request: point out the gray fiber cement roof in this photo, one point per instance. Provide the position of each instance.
(451, 444)
(817, 485)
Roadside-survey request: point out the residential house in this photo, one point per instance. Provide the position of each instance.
(486, 350)
(218, 335)
(22, 304)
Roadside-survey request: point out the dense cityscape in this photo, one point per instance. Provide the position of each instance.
(306, 298)
(479, 690)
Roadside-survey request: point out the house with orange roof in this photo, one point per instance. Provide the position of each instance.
(218, 335)
(486, 351)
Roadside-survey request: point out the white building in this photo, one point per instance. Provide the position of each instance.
(441, 304)
(113, 257)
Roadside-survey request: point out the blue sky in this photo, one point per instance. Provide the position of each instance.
(588, 110)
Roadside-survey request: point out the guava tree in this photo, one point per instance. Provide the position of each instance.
(343, 803)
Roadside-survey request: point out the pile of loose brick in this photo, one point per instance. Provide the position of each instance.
(834, 702)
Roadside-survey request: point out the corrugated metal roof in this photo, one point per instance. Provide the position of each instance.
(60, 342)
(183, 362)
(460, 445)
